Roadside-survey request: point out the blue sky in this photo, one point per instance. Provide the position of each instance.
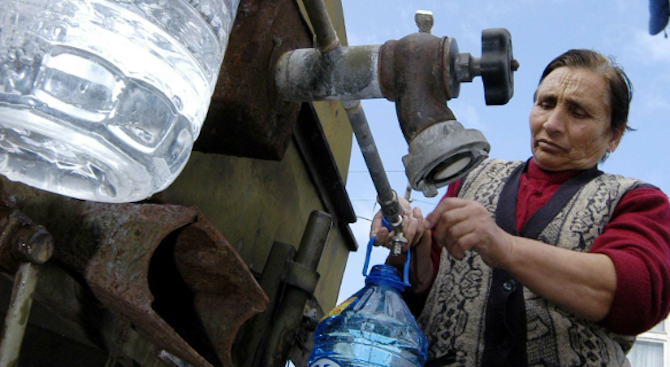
(541, 30)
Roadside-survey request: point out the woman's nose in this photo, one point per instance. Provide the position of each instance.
(555, 122)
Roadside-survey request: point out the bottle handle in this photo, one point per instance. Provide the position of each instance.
(405, 272)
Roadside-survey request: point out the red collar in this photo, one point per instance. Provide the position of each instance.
(557, 177)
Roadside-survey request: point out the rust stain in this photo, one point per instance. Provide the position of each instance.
(245, 117)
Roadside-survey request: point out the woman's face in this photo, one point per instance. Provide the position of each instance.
(570, 120)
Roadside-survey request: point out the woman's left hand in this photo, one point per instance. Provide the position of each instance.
(460, 225)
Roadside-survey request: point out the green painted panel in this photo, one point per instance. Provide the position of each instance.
(254, 203)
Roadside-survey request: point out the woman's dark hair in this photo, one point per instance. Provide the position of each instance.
(620, 87)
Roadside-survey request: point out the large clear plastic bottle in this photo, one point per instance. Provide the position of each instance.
(372, 328)
(102, 99)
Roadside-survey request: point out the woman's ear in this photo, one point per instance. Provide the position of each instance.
(615, 139)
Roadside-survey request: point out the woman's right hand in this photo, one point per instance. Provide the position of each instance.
(413, 227)
(418, 241)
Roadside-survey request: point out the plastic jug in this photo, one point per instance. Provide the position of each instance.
(372, 328)
(102, 99)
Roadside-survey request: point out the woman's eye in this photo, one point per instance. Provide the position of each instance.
(579, 113)
(546, 104)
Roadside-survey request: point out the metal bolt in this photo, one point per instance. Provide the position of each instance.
(467, 67)
(424, 20)
(33, 244)
(397, 244)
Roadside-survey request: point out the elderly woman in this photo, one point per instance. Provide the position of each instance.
(548, 262)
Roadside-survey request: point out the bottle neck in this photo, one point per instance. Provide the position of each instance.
(385, 274)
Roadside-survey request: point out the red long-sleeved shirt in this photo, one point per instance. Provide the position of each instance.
(637, 239)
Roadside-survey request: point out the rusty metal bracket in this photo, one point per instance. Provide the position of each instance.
(113, 246)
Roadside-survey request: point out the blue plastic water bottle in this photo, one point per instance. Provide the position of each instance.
(374, 327)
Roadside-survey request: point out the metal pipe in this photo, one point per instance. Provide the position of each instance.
(332, 52)
(310, 75)
(412, 76)
(314, 239)
(420, 73)
(292, 307)
(16, 319)
(32, 245)
(366, 142)
(387, 197)
(326, 37)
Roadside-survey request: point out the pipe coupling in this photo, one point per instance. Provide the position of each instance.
(443, 153)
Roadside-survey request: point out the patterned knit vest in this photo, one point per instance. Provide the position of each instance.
(468, 297)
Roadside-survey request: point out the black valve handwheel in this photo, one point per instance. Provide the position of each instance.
(497, 66)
